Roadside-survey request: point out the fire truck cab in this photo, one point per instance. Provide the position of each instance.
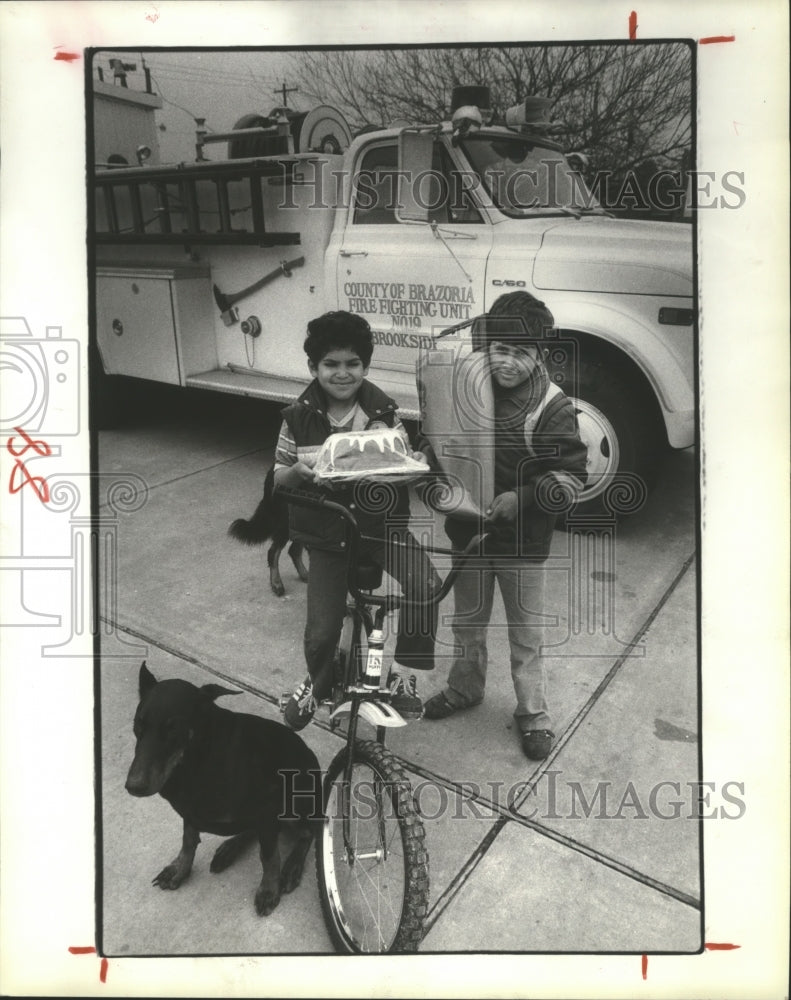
(208, 272)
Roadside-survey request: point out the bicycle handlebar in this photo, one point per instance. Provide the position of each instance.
(305, 498)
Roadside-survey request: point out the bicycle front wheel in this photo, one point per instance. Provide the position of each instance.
(371, 858)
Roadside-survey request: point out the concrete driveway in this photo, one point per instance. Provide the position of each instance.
(596, 849)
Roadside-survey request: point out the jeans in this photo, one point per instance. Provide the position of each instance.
(327, 598)
(522, 589)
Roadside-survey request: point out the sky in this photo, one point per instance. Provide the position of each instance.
(218, 86)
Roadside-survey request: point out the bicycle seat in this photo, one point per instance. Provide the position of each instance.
(368, 575)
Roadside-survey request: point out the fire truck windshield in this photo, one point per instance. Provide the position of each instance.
(523, 177)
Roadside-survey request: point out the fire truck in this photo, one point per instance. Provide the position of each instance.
(207, 272)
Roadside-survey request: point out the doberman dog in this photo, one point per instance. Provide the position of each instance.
(270, 520)
(227, 773)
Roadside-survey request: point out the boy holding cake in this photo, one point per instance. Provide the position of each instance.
(340, 400)
(537, 450)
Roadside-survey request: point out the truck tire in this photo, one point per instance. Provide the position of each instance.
(621, 427)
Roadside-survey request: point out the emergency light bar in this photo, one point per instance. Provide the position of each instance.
(471, 109)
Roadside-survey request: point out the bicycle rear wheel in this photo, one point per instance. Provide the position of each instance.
(374, 889)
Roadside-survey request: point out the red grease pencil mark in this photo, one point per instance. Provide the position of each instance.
(92, 951)
(67, 56)
(716, 38)
(19, 474)
(709, 946)
(633, 26)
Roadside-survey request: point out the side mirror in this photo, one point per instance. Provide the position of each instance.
(415, 155)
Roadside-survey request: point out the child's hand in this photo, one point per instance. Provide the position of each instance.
(303, 473)
(427, 455)
(504, 507)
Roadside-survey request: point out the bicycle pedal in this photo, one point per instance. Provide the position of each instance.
(283, 700)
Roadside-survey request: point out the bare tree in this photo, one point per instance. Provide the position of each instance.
(623, 105)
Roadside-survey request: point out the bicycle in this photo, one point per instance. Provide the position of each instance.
(371, 857)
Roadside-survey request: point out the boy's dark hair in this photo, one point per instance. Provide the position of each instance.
(517, 318)
(339, 329)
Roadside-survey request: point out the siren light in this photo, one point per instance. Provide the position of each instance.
(465, 120)
(463, 98)
(532, 112)
(578, 161)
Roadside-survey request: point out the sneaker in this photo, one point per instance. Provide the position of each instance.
(403, 696)
(439, 707)
(537, 743)
(300, 707)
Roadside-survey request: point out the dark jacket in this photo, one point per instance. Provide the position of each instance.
(372, 504)
(546, 456)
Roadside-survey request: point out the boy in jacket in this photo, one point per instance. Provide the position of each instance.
(339, 347)
(538, 451)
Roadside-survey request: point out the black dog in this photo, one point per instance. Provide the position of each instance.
(270, 520)
(226, 773)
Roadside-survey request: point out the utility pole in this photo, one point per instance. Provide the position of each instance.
(284, 91)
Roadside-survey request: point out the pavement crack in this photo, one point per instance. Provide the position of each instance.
(602, 686)
(188, 475)
(504, 814)
(463, 874)
(187, 658)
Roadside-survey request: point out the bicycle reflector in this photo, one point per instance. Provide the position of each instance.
(373, 666)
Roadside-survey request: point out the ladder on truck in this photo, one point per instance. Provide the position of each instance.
(193, 203)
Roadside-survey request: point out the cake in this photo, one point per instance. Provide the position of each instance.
(366, 453)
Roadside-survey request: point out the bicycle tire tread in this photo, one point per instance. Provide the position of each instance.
(416, 894)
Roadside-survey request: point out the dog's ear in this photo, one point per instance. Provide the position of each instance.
(146, 680)
(214, 691)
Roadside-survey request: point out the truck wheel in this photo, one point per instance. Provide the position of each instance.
(622, 431)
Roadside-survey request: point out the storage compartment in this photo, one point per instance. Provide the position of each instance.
(155, 323)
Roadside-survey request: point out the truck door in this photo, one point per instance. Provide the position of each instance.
(410, 280)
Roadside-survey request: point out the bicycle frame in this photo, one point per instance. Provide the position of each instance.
(362, 700)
